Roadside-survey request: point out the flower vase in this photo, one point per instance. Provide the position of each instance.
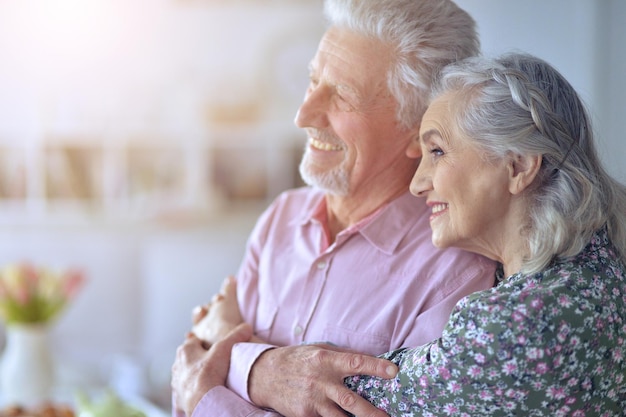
(26, 368)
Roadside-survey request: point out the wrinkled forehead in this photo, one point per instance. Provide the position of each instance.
(439, 117)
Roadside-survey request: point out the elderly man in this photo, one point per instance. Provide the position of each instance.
(349, 260)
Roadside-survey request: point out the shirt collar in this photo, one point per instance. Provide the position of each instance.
(388, 226)
(384, 228)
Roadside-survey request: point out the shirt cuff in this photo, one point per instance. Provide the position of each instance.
(221, 402)
(243, 356)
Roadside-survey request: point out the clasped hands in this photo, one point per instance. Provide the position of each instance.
(296, 381)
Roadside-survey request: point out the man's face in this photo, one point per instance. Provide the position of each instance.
(354, 140)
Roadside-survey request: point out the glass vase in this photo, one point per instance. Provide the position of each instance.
(26, 367)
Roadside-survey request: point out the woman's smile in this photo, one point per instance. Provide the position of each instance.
(437, 210)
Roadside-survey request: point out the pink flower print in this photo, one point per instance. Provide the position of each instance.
(394, 385)
(541, 368)
(509, 368)
(485, 395)
(510, 405)
(556, 392)
(558, 360)
(537, 384)
(537, 304)
(454, 387)
(565, 301)
(384, 404)
(562, 412)
(534, 353)
(444, 373)
(450, 409)
(517, 316)
(475, 371)
(587, 384)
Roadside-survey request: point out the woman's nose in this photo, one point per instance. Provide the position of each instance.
(421, 183)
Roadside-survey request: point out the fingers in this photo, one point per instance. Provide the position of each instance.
(229, 286)
(353, 403)
(198, 313)
(241, 333)
(358, 364)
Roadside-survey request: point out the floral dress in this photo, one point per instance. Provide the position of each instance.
(549, 344)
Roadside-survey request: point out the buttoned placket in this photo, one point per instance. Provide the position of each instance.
(314, 288)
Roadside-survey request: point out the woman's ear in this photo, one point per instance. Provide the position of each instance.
(523, 170)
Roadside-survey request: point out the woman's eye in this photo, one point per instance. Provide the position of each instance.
(436, 151)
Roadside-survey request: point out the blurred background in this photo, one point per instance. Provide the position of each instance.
(140, 139)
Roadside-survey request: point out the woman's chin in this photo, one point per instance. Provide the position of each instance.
(439, 242)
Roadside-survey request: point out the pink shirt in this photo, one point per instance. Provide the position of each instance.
(380, 286)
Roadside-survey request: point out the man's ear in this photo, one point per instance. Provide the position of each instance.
(414, 149)
(523, 170)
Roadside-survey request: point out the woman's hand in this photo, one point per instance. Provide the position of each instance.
(197, 370)
(213, 321)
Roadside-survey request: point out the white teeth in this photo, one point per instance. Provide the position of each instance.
(323, 145)
(439, 207)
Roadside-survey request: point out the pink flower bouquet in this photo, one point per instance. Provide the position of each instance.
(30, 295)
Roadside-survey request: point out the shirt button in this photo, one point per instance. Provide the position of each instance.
(297, 330)
(321, 265)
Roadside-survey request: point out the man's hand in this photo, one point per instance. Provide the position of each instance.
(307, 381)
(196, 370)
(212, 321)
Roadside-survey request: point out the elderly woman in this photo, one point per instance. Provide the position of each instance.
(510, 171)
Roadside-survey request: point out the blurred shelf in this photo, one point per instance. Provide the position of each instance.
(147, 179)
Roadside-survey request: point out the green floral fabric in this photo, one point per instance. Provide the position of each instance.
(550, 344)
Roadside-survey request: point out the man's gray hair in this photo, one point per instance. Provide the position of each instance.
(425, 35)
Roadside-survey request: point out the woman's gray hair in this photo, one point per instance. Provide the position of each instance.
(519, 105)
(426, 36)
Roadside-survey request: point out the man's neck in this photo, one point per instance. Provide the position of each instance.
(345, 211)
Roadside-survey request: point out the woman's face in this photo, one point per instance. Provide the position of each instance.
(468, 193)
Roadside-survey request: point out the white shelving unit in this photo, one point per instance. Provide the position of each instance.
(135, 179)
